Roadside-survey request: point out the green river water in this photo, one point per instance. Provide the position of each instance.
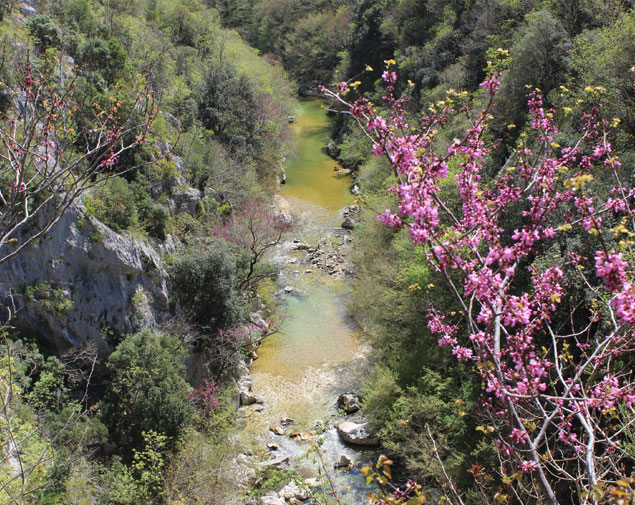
(300, 371)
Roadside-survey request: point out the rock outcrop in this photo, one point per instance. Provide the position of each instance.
(348, 402)
(83, 283)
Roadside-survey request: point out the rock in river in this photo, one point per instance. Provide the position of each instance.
(348, 402)
(348, 224)
(293, 492)
(343, 462)
(356, 433)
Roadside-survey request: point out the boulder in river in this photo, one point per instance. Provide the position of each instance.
(348, 402)
(277, 462)
(332, 150)
(343, 462)
(356, 433)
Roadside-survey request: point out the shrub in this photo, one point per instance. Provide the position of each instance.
(113, 204)
(46, 34)
(156, 218)
(148, 390)
(206, 283)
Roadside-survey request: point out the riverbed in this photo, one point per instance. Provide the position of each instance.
(316, 356)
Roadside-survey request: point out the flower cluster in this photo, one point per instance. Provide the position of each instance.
(543, 400)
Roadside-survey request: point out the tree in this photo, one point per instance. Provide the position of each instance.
(48, 160)
(558, 389)
(207, 284)
(256, 228)
(40, 425)
(148, 391)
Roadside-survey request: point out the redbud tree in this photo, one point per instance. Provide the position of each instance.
(558, 390)
(48, 159)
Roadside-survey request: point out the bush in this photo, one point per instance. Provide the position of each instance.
(148, 391)
(46, 34)
(156, 217)
(206, 283)
(113, 204)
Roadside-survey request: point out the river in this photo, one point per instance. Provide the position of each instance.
(301, 371)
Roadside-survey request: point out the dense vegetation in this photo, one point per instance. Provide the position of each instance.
(574, 52)
(123, 429)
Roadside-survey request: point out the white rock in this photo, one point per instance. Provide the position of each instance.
(343, 461)
(271, 499)
(356, 433)
(293, 491)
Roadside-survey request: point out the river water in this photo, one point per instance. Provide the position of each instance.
(301, 371)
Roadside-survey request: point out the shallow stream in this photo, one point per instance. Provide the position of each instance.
(301, 371)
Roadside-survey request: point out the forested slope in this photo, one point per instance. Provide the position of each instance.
(578, 54)
(150, 138)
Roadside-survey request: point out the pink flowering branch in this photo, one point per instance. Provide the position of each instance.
(42, 168)
(551, 400)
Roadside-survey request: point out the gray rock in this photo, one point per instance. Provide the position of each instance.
(247, 398)
(344, 171)
(27, 10)
(356, 433)
(343, 462)
(95, 276)
(184, 200)
(332, 150)
(348, 402)
(348, 224)
(279, 461)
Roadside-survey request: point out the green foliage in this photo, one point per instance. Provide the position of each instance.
(156, 219)
(354, 149)
(227, 108)
(46, 33)
(113, 203)
(148, 391)
(206, 283)
(140, 482)
(605, 58)
(539, 60)
(273, 479)
(49, 391)
(5, 8)
(55, 299)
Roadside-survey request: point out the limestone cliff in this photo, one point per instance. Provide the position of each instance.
(85, 283)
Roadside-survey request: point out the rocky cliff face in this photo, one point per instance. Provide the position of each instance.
(84, 283)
